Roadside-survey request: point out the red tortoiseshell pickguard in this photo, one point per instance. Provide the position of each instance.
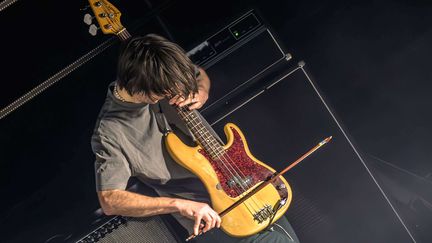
(236, 162)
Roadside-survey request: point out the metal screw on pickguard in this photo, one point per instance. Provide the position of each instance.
(218, 186)
(281, 186)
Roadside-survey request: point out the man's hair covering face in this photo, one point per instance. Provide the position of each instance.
(152, 65)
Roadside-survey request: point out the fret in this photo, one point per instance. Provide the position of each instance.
(204, 137)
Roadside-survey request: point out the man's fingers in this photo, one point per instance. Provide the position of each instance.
(214, 218)
(197, 224)
(174, 100)
(196, 105)
(194, 101)
(205, 217)
(180, 100)
(217, 219)
(209, 222)
(193, 98)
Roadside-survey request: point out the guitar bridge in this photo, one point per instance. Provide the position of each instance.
(263, 214)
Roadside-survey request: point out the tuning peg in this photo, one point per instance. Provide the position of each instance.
(88, 19)
(93, 30)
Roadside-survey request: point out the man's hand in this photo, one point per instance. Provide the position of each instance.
(196, 101)
(199, 211)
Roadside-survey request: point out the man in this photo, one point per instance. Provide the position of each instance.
(128, 137)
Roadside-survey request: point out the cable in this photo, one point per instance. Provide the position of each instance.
(284, 231)
(301, 65)
(6, 3)
(56, 77)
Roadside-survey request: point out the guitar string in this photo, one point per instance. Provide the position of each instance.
(213, 141)
(225, 156)
(230, 164)
(125, 34)
(183, 112)
(208, 137)
(114, 24)
(233, 163)
(216, 153)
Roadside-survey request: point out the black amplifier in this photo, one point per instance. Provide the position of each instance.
(237, 55)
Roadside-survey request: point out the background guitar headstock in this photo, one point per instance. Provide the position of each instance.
(107, 16)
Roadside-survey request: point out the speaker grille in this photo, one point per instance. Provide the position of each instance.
(131, 230)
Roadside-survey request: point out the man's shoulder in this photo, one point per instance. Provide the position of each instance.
(105, 130)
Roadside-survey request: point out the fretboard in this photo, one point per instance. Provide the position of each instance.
(201, 132)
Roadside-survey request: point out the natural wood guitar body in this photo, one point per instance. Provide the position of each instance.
(219, 176)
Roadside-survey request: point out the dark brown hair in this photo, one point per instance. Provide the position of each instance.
(153, 65)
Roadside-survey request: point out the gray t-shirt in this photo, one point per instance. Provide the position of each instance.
(128, 142)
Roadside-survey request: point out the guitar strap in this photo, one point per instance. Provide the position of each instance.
(166, 116)
(161, 120)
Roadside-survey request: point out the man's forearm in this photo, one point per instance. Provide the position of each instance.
(119, 202)
(125, 203)
(203, 81)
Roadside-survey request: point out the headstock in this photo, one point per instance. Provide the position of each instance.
(107, 16)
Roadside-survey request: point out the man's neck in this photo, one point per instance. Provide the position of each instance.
(123, 95)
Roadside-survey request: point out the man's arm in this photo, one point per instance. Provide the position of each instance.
(203, 81)
(120, 202)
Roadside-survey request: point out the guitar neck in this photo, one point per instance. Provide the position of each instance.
(123, 34)
(202, 133)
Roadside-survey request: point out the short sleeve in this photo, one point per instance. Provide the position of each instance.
(112, 170)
